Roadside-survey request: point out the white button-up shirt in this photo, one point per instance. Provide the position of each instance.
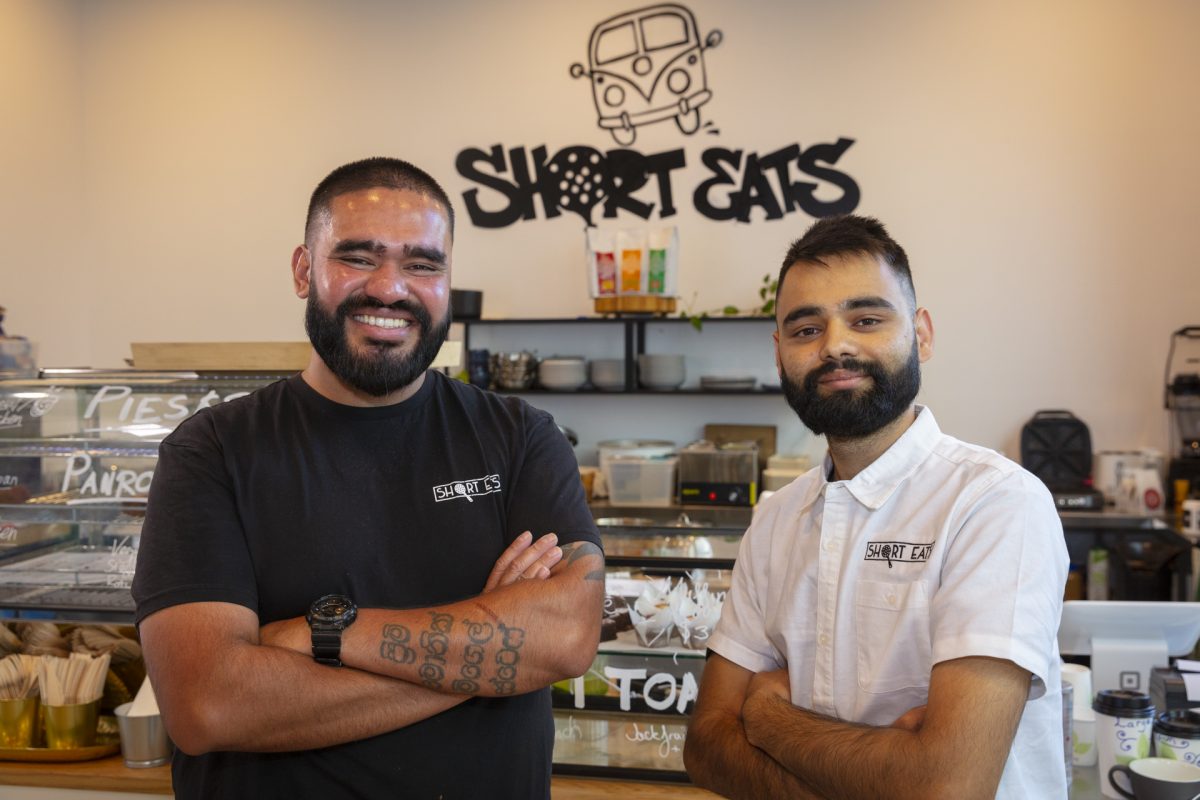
(936, 551)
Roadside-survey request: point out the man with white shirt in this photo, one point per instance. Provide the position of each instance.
(891, 626)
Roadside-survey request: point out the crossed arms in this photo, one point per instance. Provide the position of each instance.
(746, 739)
(225, 684)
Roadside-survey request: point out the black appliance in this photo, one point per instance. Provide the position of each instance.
(1181, 397)
(1056, 446)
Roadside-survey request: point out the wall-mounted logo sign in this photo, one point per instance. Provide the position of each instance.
(647, 66)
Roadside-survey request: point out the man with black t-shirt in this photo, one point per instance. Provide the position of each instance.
(339, 590)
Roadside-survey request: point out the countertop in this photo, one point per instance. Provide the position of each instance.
(111, 774)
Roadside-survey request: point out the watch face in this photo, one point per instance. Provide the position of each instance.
(332, 609)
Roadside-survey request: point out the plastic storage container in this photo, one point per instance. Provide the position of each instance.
(782, 470)
(641, 481)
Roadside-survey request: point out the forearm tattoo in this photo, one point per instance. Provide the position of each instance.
(395, 645)
(435, 641)
(507, 659)
(479, 634)
(576, 550)
(481, 648)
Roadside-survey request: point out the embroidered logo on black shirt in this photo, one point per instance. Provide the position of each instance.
(475, 487)
(908, 552)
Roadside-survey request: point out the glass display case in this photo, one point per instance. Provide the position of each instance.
(628, 716)
(77, 454)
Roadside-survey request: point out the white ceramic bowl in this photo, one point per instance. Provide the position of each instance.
(608, 373)
(562, 374)
(661, 371)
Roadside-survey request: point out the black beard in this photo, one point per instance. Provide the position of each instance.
(852, 414)
(378, 372)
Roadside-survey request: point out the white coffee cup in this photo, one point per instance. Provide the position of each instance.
(1155, 779)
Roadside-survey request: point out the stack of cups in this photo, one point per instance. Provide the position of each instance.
(1083, 718)
(1124, 726)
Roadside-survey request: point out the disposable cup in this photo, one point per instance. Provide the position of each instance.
(144, 741)
(1124, 731)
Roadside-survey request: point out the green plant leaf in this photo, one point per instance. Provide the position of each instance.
(697, 323)
(730, 311)
(769, 306)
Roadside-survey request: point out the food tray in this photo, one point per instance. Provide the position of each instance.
(106, 745)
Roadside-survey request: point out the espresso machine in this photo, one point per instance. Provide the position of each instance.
(1182, 400)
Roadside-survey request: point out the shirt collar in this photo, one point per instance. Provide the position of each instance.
(874, 485)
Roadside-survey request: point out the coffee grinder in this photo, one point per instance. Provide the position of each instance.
(1182, 400)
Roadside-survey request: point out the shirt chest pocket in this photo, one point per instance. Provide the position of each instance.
(894, 650)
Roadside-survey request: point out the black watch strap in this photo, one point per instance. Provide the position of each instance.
(327, 646)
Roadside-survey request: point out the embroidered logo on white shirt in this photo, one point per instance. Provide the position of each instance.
(909, 552)
(475, 487)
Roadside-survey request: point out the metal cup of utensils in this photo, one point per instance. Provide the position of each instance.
(19, 722)
(514, 371)
(72, 726)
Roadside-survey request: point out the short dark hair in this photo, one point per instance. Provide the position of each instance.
(844, 235)
(390, 173)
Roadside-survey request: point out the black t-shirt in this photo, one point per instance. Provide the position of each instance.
(274, 499)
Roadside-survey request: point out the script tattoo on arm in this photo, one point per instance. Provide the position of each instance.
(507, 659)
(576, 550)
(479, 634)
(435, 641)
(395, 645)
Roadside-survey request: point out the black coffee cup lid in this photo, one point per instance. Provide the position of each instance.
(1182, 722)
(1123, 703)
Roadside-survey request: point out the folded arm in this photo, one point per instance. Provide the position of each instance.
(220, 688)
(958, 750)
(718, 755)
(518, 638)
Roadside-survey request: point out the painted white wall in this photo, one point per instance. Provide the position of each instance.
(45, 278)
(1036, 159)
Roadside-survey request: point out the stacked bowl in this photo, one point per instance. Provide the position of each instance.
(562, 373)
(660, 371)
(608, 374)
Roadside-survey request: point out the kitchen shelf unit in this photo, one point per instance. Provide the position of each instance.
(634, 338)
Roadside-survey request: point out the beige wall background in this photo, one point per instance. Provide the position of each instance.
(1036, 159)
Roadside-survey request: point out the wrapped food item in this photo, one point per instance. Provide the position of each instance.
(651, 614)
(9, 641)
(631, 244)
(43, 639)
(97, 639)
(662, 262)
(601, 262)
(697, 617)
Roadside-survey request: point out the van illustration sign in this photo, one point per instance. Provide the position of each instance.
(647, 66)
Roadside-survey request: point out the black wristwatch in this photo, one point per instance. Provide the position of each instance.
(327, 618)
